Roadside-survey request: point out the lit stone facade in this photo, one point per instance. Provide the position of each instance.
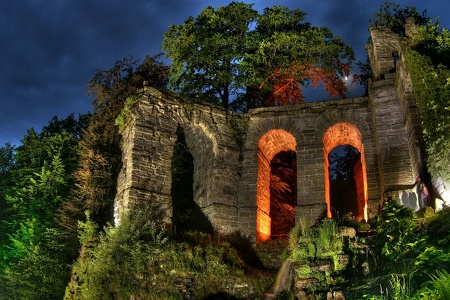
(232, 152)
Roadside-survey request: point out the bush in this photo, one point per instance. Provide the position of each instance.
(441, 284)
(41, 272)
(138, 260)
(438, 229)
(398, 238)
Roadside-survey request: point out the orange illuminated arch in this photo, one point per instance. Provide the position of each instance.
(271, 143)
(346, 134)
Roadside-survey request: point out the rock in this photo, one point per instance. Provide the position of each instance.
(335, 296)
(304, 283)
(324, 267)
(347, 231)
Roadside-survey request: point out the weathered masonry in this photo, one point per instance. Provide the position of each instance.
(233, 152)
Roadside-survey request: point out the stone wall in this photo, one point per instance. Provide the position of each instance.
(148, 141)
(226, 146)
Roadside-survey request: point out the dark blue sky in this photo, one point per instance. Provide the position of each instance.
(50, 49)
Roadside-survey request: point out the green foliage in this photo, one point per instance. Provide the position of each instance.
(426, 261)
(122, 117)
(298, 232)
(393, 17)
(100, 153)
(38, 177)
(438, 229)
(428, 63)
(434, 42)
(425, 212)
(123, 252)
(441, 283)
(71, 125)
(87, 231)
(398, 287)
(137, 259)
(316, 255)
(235, 52)
(315, 243)
(353, 223)
(40, 272)
(328, 239)
(216, 40)
(397, 236)
(430, 260)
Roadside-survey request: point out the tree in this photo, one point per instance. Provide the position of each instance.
(7, 165)
(100, 154)
(234, 53)
(207, 52)
(33, 259)
(392, 16)
(70, 125)
(291, 54)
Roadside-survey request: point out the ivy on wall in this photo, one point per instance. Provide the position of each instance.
(427, 62)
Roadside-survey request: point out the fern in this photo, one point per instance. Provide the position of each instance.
(441, 282)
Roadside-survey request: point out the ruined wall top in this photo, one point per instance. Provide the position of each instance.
(386, 48)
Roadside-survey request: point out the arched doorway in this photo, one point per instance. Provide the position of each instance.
(346, 134)
(276, 188)
(186, 213)
(343, 161)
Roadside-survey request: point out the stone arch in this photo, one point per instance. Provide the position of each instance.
(351, 116)
(203, 148)
(188, 164)
(271, 143)
(345, 133)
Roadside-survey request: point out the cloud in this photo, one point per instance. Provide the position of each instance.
(50, 49)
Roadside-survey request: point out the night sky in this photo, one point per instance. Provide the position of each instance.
(50, 49)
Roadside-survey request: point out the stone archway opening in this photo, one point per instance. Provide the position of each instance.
(283, 193)
(186, 213)
(182, 182)
(349, 136)
(343, 161)
(276, 187)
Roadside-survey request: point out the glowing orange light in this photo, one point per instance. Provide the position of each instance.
(346, 134)
(271, 143)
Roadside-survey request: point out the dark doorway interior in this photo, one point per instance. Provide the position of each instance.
(344, 161)
(283, 193)
(187, 215)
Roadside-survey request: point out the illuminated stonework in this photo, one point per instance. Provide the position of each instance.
(346, 134)
(232, 152)
(269, 145)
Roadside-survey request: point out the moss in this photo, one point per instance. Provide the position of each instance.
(121, 119)
(425, 212)
(304, 270)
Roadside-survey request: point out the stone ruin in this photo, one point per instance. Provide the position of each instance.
(232, 152)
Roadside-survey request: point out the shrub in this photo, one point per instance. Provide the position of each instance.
(397, 237)
(438, 228)
(441, 283)
(138, 260)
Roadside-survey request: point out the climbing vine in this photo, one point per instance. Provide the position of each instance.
(430, 74)
(122, 117)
